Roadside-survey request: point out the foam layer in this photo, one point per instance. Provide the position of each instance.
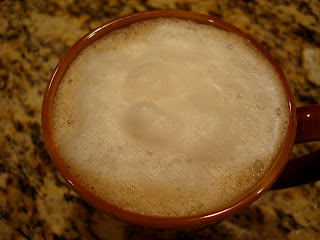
(170, 117)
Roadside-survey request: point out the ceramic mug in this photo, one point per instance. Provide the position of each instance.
(304, 125)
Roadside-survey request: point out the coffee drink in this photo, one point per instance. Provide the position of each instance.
(169, 117)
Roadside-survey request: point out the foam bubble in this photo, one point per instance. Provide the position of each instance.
(164, 117)
(258, 166)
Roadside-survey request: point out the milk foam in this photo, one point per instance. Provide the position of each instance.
(170, 117)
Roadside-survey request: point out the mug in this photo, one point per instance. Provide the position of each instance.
(304, 126)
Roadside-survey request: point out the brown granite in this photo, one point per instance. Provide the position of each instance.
(36, 203)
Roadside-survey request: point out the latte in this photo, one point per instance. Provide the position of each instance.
(170, 117)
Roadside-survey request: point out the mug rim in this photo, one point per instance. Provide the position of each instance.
(157, 221)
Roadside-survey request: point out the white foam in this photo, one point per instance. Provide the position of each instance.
(170, 120)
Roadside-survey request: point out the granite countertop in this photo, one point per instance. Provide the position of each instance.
(36, 203)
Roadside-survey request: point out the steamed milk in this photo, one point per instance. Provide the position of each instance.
(170, 117)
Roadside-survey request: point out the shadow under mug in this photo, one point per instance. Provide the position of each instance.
(304, 125)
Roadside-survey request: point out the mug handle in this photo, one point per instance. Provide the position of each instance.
(304, 169)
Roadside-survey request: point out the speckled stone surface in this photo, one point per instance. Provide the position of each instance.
(36, 203)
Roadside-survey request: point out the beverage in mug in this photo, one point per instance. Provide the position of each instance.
(169, 117)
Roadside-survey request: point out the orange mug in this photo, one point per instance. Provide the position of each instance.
(304, 126)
